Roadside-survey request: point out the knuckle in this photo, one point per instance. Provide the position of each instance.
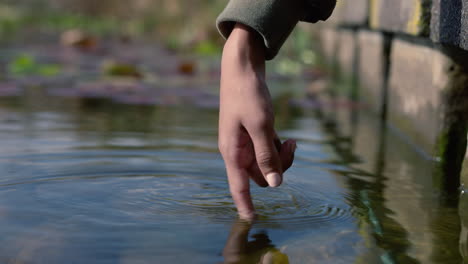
(264, 158)
(229, 154)
(263, 122)
(260, 122)
(222, 146)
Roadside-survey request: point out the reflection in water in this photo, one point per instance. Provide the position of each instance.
(410, 217)
(367, 193)
(463, 211)
(239, 250)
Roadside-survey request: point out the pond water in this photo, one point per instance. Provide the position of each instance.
(86, 180)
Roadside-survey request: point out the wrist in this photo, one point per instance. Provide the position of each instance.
(246, 38)
(245, 46)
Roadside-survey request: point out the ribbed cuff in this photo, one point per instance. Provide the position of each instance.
(274, 20)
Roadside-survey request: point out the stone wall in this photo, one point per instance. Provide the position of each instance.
(409, 59)
(407, 62)
(449, 22)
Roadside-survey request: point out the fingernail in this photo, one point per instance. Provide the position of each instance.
(294, 145)
(273, 179)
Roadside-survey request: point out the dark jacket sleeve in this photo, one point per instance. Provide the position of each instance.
(318, 10)
(274, 20)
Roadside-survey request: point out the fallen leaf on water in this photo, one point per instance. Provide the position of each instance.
(25, 64)
(78, 39)
(121, 69)
(187, 68)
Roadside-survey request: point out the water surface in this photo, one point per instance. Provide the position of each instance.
(86, 180)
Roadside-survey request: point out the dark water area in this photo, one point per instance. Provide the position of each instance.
(90, 180)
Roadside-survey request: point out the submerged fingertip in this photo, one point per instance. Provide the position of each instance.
(247, 216)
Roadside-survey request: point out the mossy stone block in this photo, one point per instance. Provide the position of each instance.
(407, 16)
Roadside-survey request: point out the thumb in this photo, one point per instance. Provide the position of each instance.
(268, 159)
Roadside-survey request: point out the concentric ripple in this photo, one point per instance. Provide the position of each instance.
(126, 186)
(75, 186)
(297, 207)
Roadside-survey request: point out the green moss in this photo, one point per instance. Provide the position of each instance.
(425, 21)
(452, 140)
(464, 173)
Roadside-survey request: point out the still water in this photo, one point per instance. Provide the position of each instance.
(94, 181)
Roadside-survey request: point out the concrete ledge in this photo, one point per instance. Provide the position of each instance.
(347, 47)
(444, 21)
(353, 13)
(415, 87)
(422, 87)
(329, 43)
(371, 70)
(418, 77)
(407, 16)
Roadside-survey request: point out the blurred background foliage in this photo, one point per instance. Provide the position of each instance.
(179, 24)
(182, 26)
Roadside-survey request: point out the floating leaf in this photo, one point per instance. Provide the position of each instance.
(78, 39)
(122, 69)
(187, 68)
(25, 64)
(49, 70)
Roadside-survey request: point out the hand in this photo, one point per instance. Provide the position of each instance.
(247, 140)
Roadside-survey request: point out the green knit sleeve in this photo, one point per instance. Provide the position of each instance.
(274, 20)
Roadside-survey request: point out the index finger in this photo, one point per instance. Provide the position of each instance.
(239, 187)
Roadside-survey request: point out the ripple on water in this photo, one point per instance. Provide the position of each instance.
(294, 206)
(151, 187)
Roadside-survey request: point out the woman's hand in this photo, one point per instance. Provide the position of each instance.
(247, 139)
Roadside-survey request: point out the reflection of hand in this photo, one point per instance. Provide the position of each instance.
(236, 245)
(247, 139)
(239, 250)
